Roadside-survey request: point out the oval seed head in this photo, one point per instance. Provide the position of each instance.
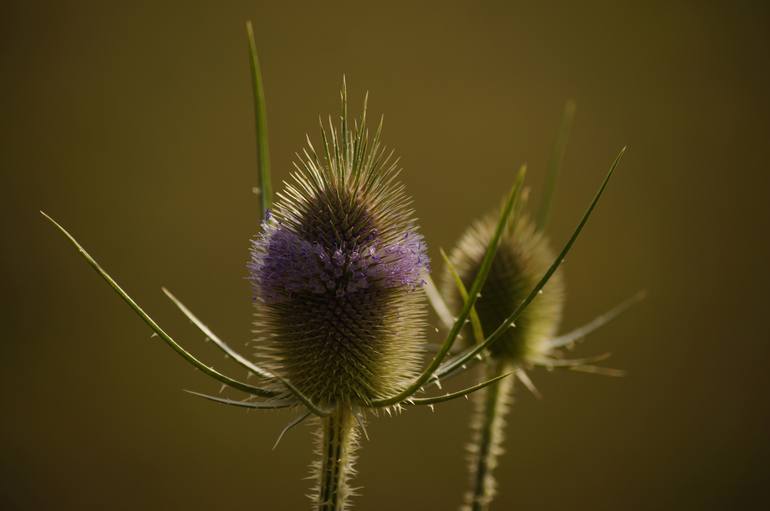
(522, 258)
(335, 272)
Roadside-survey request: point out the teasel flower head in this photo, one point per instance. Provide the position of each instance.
(522, 259)
(337, 272)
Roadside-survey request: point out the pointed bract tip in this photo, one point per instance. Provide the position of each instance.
(249, 30)
(614, 165)
(58, 226)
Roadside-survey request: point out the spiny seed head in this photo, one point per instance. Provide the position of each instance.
(522, 258)
(336, 270)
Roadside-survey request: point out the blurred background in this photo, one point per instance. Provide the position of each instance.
(131, 123)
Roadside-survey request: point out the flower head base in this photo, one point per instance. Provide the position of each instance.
(335, 269)
(523, 257)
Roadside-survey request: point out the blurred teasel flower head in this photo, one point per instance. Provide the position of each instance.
(523, 257)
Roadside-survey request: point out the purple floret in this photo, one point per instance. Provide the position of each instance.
(284, 265)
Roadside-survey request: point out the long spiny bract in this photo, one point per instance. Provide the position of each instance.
(478, 329)
(555, 163)
(260, 122)
(160, 332)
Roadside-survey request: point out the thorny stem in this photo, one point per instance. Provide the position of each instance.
(338, 443)
(488, 425)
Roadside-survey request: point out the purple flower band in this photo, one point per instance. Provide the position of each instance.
(283, 265)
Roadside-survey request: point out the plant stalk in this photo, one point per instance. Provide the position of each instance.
(488, 430)
(337, 449)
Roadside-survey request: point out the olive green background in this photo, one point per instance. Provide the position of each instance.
(131, 123)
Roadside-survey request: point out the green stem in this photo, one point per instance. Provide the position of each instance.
(488, 425)
(338, 443)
